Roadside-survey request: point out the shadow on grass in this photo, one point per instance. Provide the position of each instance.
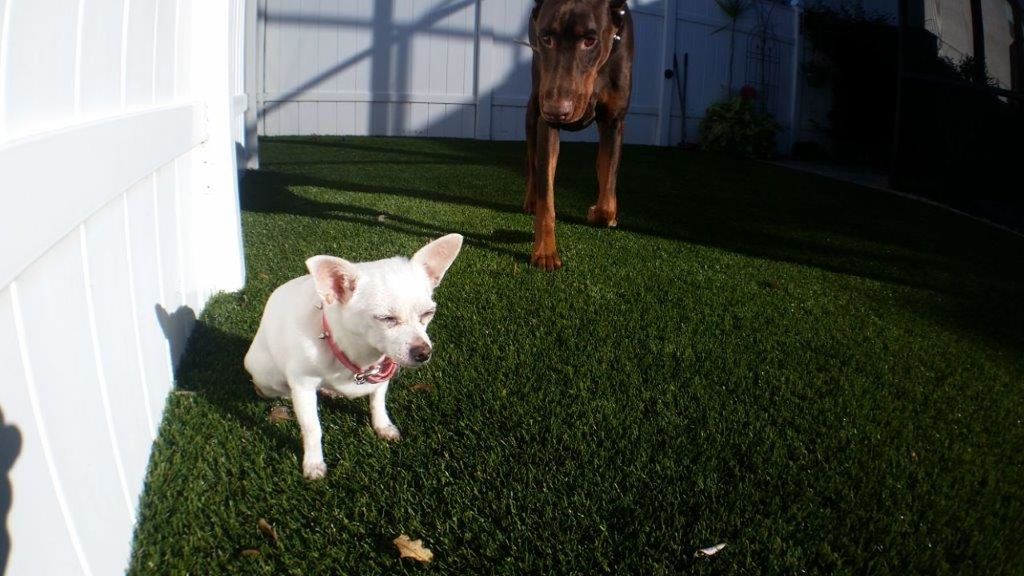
(269, 192)
(752, 209)
(214, 416)
(383, 146)
(229, 389)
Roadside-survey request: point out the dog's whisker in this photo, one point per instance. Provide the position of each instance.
(525, 43)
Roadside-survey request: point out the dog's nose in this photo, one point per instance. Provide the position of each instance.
(558, 109)
(420, 353)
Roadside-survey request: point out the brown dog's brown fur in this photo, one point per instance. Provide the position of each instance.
(581, 73)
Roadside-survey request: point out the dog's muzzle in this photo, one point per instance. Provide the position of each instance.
(556, 110)
(420, 353)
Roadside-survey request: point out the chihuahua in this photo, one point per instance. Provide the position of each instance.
(344, 329)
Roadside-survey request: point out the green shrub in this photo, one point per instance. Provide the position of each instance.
(735, 127)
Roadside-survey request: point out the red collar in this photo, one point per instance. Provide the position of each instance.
(382, 371)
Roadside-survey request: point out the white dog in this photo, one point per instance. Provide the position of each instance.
(344, 328)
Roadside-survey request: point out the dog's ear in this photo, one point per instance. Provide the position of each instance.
(335, 278)
(437, 256)
(618, 12)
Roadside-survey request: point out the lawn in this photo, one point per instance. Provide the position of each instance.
(828, 379)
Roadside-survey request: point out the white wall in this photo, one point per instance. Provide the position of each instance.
(457, 67)
(119, 121)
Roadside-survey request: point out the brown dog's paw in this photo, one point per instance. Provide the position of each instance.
(548, 261)
(601, 217)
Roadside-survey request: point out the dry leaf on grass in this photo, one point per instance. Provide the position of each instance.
(382, 217)
(413, 549)
(280, 414)
(250, 553)
(268, 531)
(422, 387)
(709, 551)
(186, 393)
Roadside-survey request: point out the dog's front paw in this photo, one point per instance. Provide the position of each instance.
(389, 432)
(546, 260)
(602, 217)
(314, 470)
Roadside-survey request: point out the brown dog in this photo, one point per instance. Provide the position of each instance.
(582, 71)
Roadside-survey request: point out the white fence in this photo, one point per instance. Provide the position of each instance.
(457, 67)
(119, 124)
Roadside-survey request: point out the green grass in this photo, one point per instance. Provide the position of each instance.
(827, 378)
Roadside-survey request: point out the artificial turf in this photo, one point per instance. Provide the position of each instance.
(827, 378)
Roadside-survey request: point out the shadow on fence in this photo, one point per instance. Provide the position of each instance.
(494, 105)
(10, 447)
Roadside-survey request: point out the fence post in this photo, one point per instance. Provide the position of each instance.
(483, 54)
(794, 96)
(217, 239)
(252, 83)
(663, 136)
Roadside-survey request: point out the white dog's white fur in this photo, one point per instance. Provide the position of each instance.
(373, 309)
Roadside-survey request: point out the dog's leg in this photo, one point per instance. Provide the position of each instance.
(268, 381)
(529, 203)
(379, 415)
(545, 252)
(606, 211)
(304, 403)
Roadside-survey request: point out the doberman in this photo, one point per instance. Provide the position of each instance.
(582, 71)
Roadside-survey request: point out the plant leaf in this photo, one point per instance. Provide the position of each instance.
(268, 531)
(280, 414)
(422, 387)
(709, 551)
(413, 549)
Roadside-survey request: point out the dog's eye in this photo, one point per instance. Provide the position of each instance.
(547, 40)
(589, 42)
(426, 316)
(389, 321)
